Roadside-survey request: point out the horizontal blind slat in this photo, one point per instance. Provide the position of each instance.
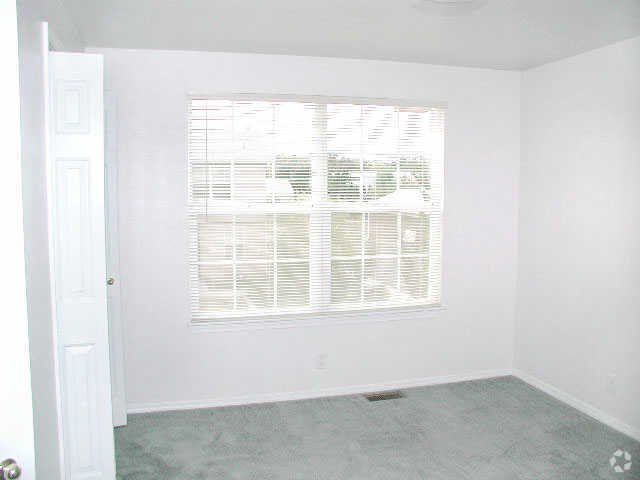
(298, 206)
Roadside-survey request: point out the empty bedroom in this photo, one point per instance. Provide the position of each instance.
(322, 240)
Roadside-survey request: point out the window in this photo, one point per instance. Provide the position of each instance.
(300, 205)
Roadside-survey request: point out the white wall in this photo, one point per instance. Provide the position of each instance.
(578, 320)
(168, 362)
(63, 32)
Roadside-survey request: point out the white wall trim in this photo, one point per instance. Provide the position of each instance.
(578, 404)
(555, 392)
(306, 394)
(48, 129)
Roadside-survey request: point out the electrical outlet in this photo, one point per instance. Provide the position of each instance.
(321, 361)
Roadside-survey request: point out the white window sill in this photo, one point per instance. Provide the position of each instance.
(314, 319)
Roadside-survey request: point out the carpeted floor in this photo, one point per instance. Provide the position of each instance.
(499, 428)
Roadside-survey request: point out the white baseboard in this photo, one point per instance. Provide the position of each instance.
(305, 394)
(555, 392)
(578, 404)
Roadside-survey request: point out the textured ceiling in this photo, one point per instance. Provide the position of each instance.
(504, 34)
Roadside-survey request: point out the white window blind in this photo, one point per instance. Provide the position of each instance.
(313, 206)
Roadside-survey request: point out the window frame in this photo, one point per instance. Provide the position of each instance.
(311, 315)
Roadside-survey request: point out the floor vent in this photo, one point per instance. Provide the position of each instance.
(390, 395)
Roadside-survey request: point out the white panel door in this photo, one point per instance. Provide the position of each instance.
(78, 229)
(16, 418)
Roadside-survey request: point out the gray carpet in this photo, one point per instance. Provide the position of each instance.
(499, 428)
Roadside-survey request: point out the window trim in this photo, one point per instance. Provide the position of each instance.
(283, 97)
(336, 315)
(314, 319)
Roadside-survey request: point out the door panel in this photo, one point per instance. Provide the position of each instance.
(79, 263)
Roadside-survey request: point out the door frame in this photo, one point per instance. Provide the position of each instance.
(114, 313)
(16, 410)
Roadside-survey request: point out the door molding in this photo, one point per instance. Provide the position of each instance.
(16, 415)
(116, 328)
